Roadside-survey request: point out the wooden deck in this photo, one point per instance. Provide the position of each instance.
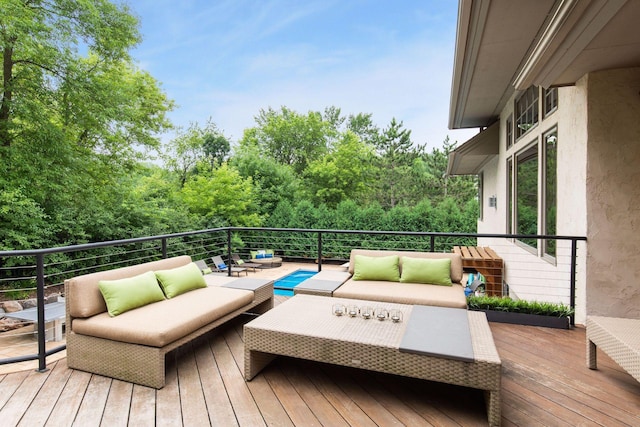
(545, 383)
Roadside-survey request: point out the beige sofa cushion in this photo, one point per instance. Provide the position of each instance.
(83, 295)
(163, 322)
(456, 260)
(404, 293)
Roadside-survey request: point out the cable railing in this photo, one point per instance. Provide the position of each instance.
(43, 271)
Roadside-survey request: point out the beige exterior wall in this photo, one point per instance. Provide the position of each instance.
(530, 275)
(613, 193)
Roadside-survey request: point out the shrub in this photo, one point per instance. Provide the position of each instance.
(519, 306)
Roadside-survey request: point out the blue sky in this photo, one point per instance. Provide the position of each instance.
(227, 59)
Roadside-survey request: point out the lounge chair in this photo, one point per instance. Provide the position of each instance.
(266, 258)
(235, 258)
(202, 265)
(220, 266)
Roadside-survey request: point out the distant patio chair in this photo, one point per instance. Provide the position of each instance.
(202, 265)
(235, 258)
(220, 266)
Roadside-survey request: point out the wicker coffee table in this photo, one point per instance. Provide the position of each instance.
(304, 327)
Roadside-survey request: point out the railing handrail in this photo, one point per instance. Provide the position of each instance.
(94, 245)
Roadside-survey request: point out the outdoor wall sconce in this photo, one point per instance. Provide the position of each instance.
(493, 201)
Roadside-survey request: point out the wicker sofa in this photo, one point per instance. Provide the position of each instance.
(406, 292)
(132, 346)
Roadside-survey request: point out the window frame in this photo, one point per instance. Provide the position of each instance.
(527, 111)
(509, 131)
(553, 131)
(549, 108)
(509, 204)
(532, 246)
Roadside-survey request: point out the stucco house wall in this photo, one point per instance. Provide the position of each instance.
(613, 192)
(530, 275)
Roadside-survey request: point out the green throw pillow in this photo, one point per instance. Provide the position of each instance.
(426, 270)
(180, 280)
(376, 268)
(126, 294)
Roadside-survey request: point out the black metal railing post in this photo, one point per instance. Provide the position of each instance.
(432, 243)
(164, 247)
(229, 249)
(319, 250)
(42, 348)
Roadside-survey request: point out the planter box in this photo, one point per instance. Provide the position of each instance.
(527, 319)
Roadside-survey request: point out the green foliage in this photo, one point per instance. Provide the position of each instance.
(291, 138)
(24, 224)
(71, 126)
(395, 179)
(341, 174)
(223, 197)
(519, 306)
(273, 182)
(204, 146)
(78, 118)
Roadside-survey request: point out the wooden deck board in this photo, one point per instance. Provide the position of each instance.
(194, 408)
(95, 397)
(19, 401)
(68, 404)
(211, 381)
(545, 382)
(168, 407)
(116, 410)
(143, 406)
(246, 411)
(270, 407)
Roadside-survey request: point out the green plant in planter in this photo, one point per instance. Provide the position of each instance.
(518, 306)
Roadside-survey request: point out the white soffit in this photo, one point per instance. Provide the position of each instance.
(492, 38)
(504, 46)
(470, 157)
(570, 34)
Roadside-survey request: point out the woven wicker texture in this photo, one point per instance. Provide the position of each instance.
(138, 363)
(619, 338)
(304, 327)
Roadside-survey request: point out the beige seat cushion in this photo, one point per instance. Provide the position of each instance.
(404, 293)
(163, 322)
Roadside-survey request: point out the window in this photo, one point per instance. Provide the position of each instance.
(526, 196)
(550, 190)
(550, 101)
(509, 131)
(526, 111)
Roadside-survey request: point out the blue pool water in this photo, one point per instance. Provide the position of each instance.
(285, 285)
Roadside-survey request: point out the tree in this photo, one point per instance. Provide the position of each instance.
(39, 41)
(72, 125)
(273, 182)
(439, 185)
(196, 146)
(362, 125)
(396, 156)
(222, 197)
(341, 174)
(291, 138)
